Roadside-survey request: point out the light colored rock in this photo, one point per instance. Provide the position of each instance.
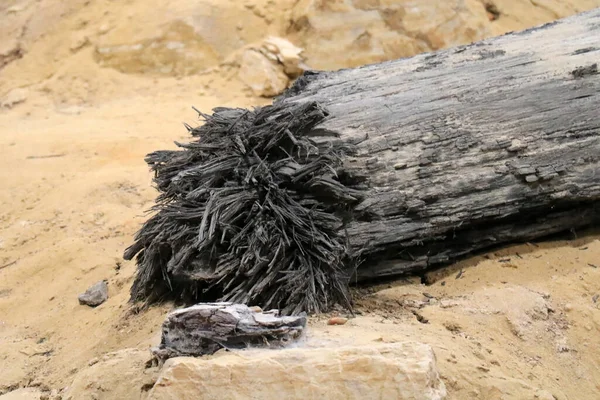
(519, 14)
(392, 371)
(22, 394)
(14, 97)
(265, 77)
(285, 53)
(119, 375)
(175, 49)
(340, 34)
(267, 67)
(179, 37)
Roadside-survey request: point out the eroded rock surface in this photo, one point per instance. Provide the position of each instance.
(394, 371)
(118, 375)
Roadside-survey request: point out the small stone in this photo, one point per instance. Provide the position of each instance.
(14, 97)
(544, 395)
(568, 307)
(78, 42)
(562, 347)
(265, 77)
(95, 295)
(104, 29)
(400, 165)
(337, 321)
(255, 309)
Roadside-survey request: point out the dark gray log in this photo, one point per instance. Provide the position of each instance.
(206, 328)
(402, 165)
(470, 147)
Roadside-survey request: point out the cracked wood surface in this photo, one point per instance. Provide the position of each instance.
(205, 328)
(468, 148)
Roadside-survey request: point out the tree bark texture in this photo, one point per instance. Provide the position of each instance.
(470, 147)
(395, 167)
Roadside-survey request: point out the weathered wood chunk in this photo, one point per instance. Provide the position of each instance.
(205, 328)
(382, 170)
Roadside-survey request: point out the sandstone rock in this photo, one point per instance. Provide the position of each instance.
(514, 15)
(119, 375)
(14, 97)
(95, 295)
(337, 321)
(268, 67)
(285, 53)
(262, 75)
(340, 34)
(22, 394)
(179, 38)
(175, 50)
(393, 371)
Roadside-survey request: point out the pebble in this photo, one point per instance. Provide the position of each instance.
(337, 321)
(95, 295)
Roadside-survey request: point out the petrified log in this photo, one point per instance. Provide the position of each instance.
(206, 328)
(381, 170)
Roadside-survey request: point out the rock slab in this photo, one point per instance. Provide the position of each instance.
(404, 371)
(118, 375)
(22, 394)
(95, 295)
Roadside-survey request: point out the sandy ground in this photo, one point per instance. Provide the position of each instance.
(517, 324)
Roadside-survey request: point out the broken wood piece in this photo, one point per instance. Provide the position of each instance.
(205, 328)
(379, 171)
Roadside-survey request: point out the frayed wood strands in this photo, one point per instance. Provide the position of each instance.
(250, 212)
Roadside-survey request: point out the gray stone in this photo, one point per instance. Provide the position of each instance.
(95, 295)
